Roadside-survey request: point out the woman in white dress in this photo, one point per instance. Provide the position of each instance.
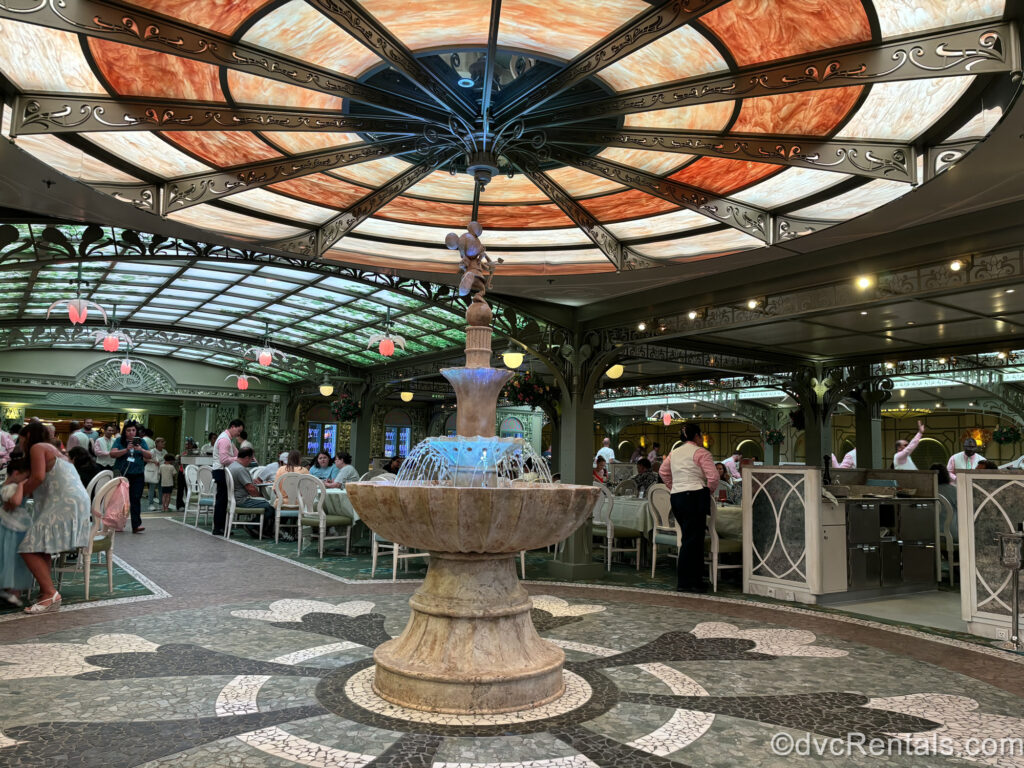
(62, 517)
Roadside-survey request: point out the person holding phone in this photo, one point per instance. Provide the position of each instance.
(130, 457)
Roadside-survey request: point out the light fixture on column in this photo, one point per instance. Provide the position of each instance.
(697, 314)
(406, 397)
(615, 371)
(78, 308)
(512, 359)
(326, 388)
(755, 303)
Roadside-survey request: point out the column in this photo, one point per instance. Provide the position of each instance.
(868, 420)
(362, 430)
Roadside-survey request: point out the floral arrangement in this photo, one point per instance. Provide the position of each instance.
(345, 408)
(530, 390)
(1006, 434)
(773, 436)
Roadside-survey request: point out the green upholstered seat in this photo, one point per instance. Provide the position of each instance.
(341, 520)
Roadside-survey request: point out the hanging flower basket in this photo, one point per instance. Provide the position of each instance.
(1006, 434)
(530, 390)
(773, 437)
(345, 408)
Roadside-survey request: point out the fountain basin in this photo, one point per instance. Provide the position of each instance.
(470, 646)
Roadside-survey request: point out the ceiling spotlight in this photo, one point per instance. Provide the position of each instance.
(641, 326)
(956, 265)
(752, 304)
(942, 361)
(406, 397)
(465, 82)
(903, 406)
(890, 366)
(692, 314)
(971, 404)
(938, 405)
(864, 282)
(615, 371)
(1001, 355)
(1011, 290)
(864, 312)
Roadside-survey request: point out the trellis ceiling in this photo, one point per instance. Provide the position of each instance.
(176, 303)
(637, 133)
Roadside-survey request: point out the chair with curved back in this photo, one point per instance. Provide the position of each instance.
(371, 475)
(206, 491)
(665, 530)
(101, 540)
(605, 528)
(97, 482)
(724, 536)
(191, 472)
(626, 488)
(312, 493)
(947, 542)
(285, 498)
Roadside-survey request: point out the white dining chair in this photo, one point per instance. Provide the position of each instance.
(101, 541)
(312, 494)
(605, 528)
(285, 498)
(665, 530)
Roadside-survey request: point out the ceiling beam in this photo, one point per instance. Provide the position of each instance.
(640, 31)
(317, 242)
(958, 51)
(619, 255)
(366, 29)
(492, 52)
(875, 159)
(35, 113)
(186, 191)
(135, 26)
(748, 219)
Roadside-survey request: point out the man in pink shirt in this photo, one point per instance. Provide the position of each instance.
(732, 465)
(224, 453)
(849, 461)
(690, 475)
(901, 459)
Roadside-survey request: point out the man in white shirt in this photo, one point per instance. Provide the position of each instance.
(267, 473)
(103, 445)
(605, 451)
(901, 459)
(224, 453)
(968, 458)
(732, 465)
(76, 439)
(207, 450)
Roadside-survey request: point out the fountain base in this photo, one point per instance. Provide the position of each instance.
(470, 646)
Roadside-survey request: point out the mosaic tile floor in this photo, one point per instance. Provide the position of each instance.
(287, 682)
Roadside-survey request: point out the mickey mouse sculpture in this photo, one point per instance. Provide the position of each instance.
(476, 264)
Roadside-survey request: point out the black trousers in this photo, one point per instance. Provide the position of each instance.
(220, 501)
(135, 483)
(690, 509)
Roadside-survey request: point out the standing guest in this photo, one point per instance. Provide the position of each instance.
(148, 442)
(243, 441)
(85, 464)
(152, 474)
(968, 458)
(635, 457)
(732, 466)
(15, 576)
(901, 459)
(224, 453)
(947, 491)
(689, 473)
(63, 519)
(292, 464)
(6, 446)
(655, 453)
(129, 461)
(644, 477)
(600, 472)
(75, 436)
(56, 442)
(605, 452)
(87, 429)
(103, 445)
(207, 450)
(167, 472)
(247, 495)
(179, 473)
(322, 467)
(849, 461)
(345, 472)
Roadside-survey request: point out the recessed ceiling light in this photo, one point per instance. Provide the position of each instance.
(910, 322)
(956, 266)
(864, 282)
(641, 326)
(466, 82)
(864, 313)
(1011, 290)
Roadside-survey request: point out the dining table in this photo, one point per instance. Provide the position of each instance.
(631, 512)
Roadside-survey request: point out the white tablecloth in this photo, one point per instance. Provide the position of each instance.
(337, 503)
(630, 512)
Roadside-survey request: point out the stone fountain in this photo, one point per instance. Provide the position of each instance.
(474, 502)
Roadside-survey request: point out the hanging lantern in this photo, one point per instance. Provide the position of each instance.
(111, 343)
(615, 371)
(265, 355)
(242, 380)
(126, 367)
(78, 308)
(666, 418)
(386, 347)
(326, 389)
(406, 397)
(386, 341)
(111, 339)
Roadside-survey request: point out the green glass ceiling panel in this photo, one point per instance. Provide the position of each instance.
(424, 323)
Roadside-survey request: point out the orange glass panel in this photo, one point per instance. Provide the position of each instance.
(223, 148)
(626, 205)
(518, 189)
(221, 220)
(417, 23)
(580, 183)
(252, 89)
(441, 185)
(133, 71)
(678, 55)
(699, 117)
(222, 16)
(756, 31)
(813, 113)
(296, 143)
(322, 190)
(721, 177)
(457, 216)
(562, 28)
(373, 172)
(298, 30)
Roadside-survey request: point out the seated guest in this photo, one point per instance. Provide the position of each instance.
(988, 464)
(15, 577)
(947, 491)
(394, 464)
(267, 473)
(323, 467)
(655, 454)
(292, 464)
(344, 471)
(600, 471)
(644, 477)
(247, 495)
(207, 450)
(85, 464)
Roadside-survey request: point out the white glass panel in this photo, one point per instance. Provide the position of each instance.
(148, 151)
(38, 59)
(435, 235)
(903, 111)
(856, 202)
(722, 241)
(265, 201)
(663, 224)
(792, 184)
(658, 163)
(900, 17)
(219, 220)
(69, 160)
(978, 126)
(373, 173)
